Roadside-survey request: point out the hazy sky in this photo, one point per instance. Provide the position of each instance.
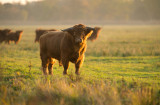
(15, 1)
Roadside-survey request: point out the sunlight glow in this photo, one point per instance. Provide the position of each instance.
(17, 1)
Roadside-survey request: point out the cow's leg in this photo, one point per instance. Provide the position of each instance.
(16, 42)
(60, 63)
(7, 42)
(78, 65)
(35, 41)
(50, 66)
(44, 64)
(65, 63)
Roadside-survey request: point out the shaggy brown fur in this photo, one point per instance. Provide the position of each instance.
(95, 34)
(14, 36)
(40, 32)
(3, 34)
(66, 46)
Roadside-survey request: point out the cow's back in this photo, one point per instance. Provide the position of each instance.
(50, 44)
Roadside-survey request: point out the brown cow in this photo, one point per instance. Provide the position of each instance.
(66, 46)
(3, 34)
(14, 36)
(40, 32)
(95, 34)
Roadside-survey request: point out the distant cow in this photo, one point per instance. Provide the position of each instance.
(3, 34)
(95, 34)
(14, 36)
(40, 32)
(64, 46)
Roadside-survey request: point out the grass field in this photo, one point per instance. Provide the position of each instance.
(122, 67)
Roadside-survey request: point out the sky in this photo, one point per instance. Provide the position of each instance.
(16, 1)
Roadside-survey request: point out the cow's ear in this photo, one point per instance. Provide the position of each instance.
(89, 31)
(69, 30)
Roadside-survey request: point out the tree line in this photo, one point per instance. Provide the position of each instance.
(89, 10)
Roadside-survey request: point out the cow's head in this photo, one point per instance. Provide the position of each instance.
(80, 32)
(19, 33)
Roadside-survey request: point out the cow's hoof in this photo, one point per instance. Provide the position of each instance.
(45, 73)
(77, 73)
(64, 73)
(50, 73)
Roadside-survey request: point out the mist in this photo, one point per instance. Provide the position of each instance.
(81, 11)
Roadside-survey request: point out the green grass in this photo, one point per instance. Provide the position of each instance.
(121, 67)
